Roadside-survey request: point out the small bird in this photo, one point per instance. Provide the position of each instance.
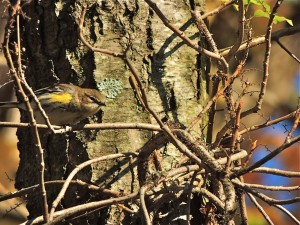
(64, 104)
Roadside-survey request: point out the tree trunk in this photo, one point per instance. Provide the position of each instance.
(171, 75)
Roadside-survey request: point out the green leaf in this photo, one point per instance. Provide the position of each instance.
(236, 7)
(277, 19)
(262, 3)
(260, 13)
(264, 13)
(280, 19)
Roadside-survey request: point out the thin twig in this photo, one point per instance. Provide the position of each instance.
(261, 39)
(294, 127)
(31, 189)
(65, 213)
(269, 123)
(267, 157)
(228, 125)
(260, 209)
(75, 171)
(288, 51)
(189, 168)
(216, 96)
(95, 126)
(264, 82)
(274, 188)
(288, 213)
(19, 88)
(235, 134)
(31, 92)
(217, 10)
(241, 26)
(265, 198)
(215, 82)
(277, 172)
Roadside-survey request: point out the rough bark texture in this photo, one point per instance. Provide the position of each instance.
(168, 69)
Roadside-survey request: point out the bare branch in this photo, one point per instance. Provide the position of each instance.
(215, 98)
(260, 208)
(265, 198)
(278, 172)
(215, 82)
(263, 88)
(222, 161)
(287, 212)
(144, 207)
(269, 123)
(31, 189)
(241, 26)
(261, 39)
(287, 51)
(267, 157)
(223, 6)
(273, 188)
(294, 127)
(66, 213)
(74, 172)
(18, 83)
(242, 205)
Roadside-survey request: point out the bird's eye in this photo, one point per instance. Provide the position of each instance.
(93, 99)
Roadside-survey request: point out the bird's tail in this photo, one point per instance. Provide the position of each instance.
(9, 104)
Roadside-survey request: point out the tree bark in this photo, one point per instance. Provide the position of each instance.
(170, 72)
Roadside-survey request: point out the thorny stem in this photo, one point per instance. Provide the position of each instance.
(239, 39)
(215, 82)
(17, 79)
(235, 135)
(264, 82)
(215, 98)
(294, 127)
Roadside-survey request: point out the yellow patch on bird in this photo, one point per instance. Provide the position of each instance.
(63, 98)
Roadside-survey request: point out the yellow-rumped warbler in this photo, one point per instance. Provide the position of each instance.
(64, 104)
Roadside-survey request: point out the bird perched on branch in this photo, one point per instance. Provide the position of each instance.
(64, 104)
